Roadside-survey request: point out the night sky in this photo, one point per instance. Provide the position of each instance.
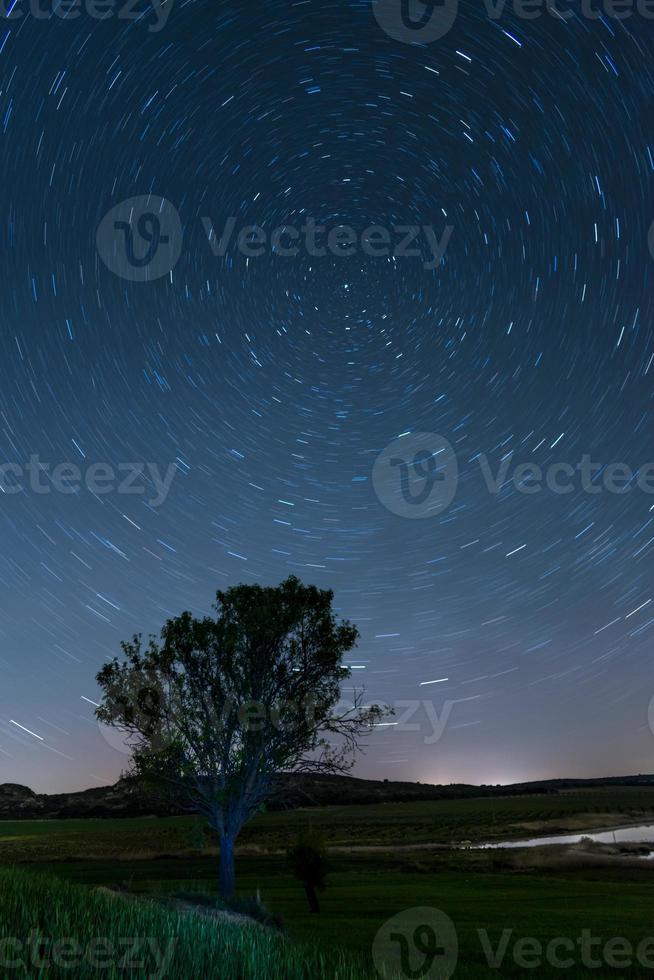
(273, 383)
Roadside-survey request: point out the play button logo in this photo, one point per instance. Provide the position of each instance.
(415, 22)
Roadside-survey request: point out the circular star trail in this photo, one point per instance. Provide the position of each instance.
(505, 628)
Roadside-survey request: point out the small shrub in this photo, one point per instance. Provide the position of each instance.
(308, 862)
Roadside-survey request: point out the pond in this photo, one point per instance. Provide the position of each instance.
(620, 835)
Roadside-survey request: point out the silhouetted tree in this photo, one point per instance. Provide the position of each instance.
(221, 706)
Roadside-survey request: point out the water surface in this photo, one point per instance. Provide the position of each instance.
(632, 835)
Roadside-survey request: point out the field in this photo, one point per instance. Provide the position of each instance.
(384, 859)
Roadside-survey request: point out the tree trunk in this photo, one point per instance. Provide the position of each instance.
(312, 897)
(227, 875)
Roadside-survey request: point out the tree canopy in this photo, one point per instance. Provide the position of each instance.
(220, 706)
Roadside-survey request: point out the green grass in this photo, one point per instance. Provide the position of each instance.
(444, 821)
(357, 902)
(178, 946)
(478, 890)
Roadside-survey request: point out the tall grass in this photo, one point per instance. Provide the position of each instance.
(50, 910)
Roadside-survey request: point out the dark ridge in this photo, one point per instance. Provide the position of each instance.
(294, 790)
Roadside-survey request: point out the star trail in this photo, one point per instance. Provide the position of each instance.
(216, 416)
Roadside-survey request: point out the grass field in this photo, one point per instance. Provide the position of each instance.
(389, 824)
(71, 931)
(528, 895)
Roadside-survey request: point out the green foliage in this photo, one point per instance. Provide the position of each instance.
(307, 859)
(53, 910)
(441, 821)
(365, 888)
(220, 706)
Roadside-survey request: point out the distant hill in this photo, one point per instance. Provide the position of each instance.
(295, 790)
